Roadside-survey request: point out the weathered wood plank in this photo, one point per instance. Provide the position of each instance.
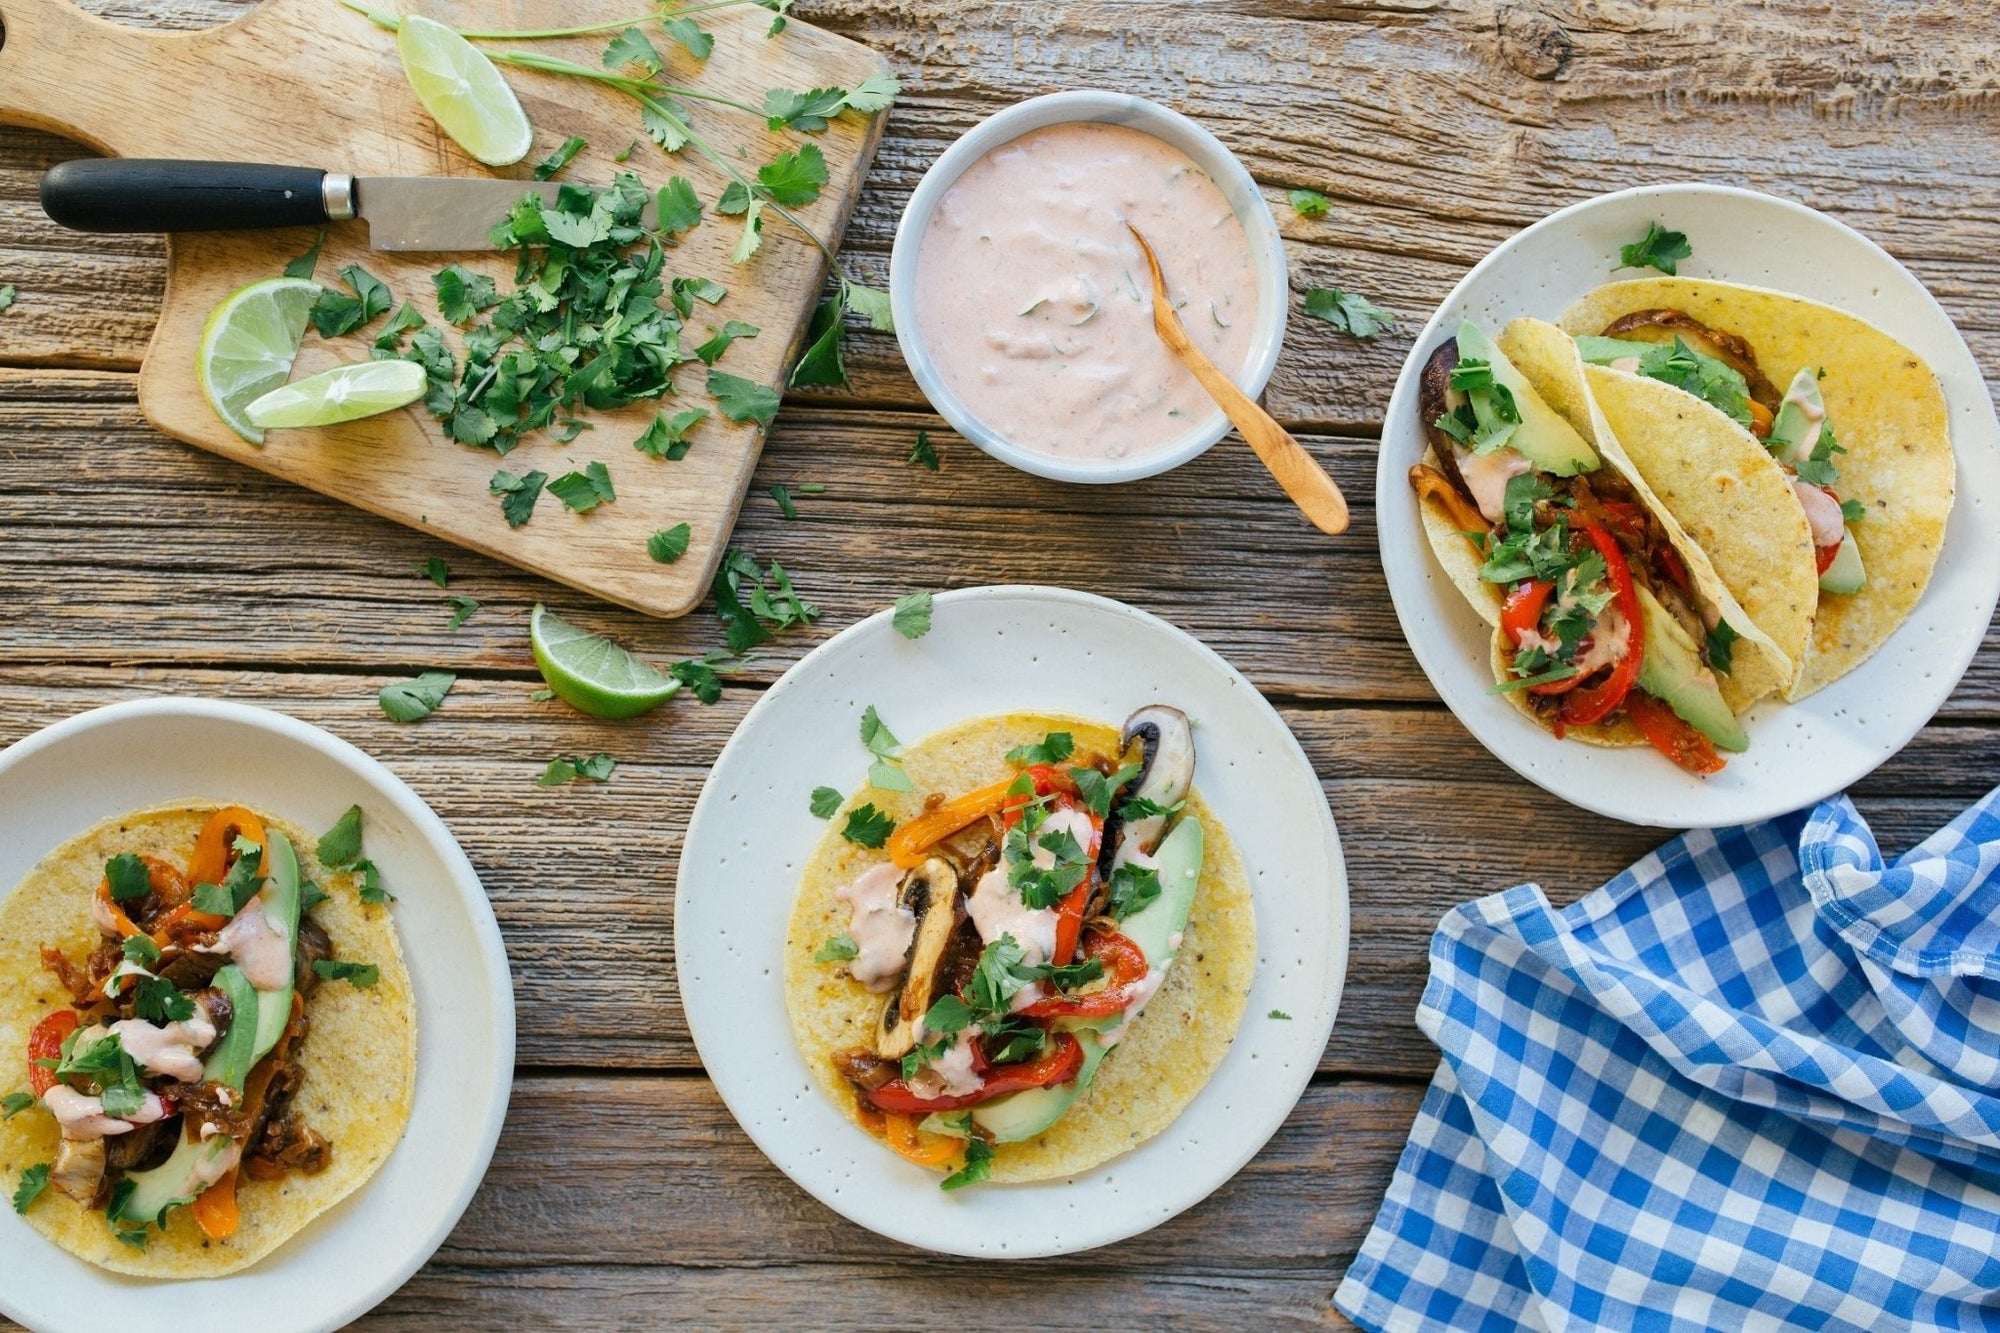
(124, 546)
(1428, 819)
(1438, 129)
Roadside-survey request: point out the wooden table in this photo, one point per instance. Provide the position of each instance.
(133, 565)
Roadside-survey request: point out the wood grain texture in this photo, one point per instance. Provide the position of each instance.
(310, 82)
(132, 565)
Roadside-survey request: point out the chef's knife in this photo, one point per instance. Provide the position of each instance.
(160, 194)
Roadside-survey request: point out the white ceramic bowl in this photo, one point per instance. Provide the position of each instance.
(67, 777)
(998, 650)
(1267, 252)
(1799, 753)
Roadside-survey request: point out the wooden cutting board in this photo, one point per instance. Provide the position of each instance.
(312, 83)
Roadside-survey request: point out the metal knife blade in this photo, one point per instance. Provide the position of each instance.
(438, 212)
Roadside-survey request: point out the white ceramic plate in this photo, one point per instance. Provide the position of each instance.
(61, 780)
(1799, 753)
(996, 650)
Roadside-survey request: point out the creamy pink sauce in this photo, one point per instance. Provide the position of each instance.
(1035, 301)
(879, 925)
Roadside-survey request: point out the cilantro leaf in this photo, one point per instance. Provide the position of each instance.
(34, 1180)
(1657, 249)
(793, 180)
(517, 494)
(837, 949)
(667, 436)
(912, 617)
(362, 975)
(462, 293)
(866, 826)
(1350, 312)
(1721, 645)
(754, 603)
(158, 1000)
(743, 400)
(873, 93)
(699, 675)
(340, 846)
(1098, 790)
(583, 491)
(435, 569)
(808, 112)
(140, 949)
(1051, 749)
(719, 341)
(664, 124)
(389, 342)
(127, 877)
(923, 454)
(691, 37)
(875, 734)
(564, 770)
(333, 314)
(303, 266)
(14, 1103)
(821, 363)
(1309, 203)
(631, 47)
(1133, 889)
(978, 1166)
(1853, 511)
(1280, 1015)
(825, 800)
(238, 886)
(783, 496)
(461, 611)
(870, 304)
(677, 209)
(669, 544)
(413, 700)
(557, 160)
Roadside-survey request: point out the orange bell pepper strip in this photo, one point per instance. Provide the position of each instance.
(903, 1135)
(217, 839)
(214, 1208)
(915, 837)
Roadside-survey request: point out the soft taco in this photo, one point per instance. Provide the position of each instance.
(215, 1038)
(1610, 625)
(1807, 451)
(1032, 959)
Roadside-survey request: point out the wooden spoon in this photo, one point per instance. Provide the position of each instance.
(1311, 489)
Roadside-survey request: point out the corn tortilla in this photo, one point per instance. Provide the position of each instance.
(358, 1057)
(1889, 413)
(1170, 1051)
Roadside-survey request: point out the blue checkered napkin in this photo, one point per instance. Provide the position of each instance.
(1751, 1082)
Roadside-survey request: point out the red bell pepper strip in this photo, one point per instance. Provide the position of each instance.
(1666, 732)
(1124, 967)
(1058, 1064)
(1521, 613)
(1594, 703)
(45, 1043)
(1069, 917)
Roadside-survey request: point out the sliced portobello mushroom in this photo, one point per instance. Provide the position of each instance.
(929, 893)
(1166, 773)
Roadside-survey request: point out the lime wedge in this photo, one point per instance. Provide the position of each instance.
(248, 345)
(345, 393)
(593, 674)
(463, 91)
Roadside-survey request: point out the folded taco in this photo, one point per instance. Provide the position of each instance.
(1808, 452)
(214, 1036)
(1032, 959)
(1610, 624)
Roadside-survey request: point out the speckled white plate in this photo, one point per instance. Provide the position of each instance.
(997, 650)
(65, 778)
(1799, 753)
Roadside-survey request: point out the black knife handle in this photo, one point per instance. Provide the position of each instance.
(163, 194)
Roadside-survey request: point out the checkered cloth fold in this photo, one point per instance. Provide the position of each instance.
(1753, 1081)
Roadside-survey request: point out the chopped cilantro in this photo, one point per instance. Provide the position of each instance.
(783, 496)
(669, 544)
(1853, 511)
(1721, 644)
(517, 494)
(676, 209)
(1554, 673)
(415, 699)
(140, 949)
(755, 603)
(978, 1166)
(362, 975)
(1133, 890)
(238, 887)
(33, 1181)
(1309, 203)
(127, 877)
(160, 1001)
(718, 343)
(564, 770)
(1350, 312)
(867, 827)
(559, 159)
(912, 617)
(743, 400)
(1051, 749)
(333, 314)
(923, 454)
(435, 569)
(667, 436)
(825, 800)
(583, 491)
(461, 611)
(1098, 790)
(1657, 249)
(837, 949)
(887, 770)
(1280, 1015)
(303, 266)
(462, 293)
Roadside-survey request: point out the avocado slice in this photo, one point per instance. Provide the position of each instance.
(1155, 929)
(281, 906)
(1795, 430)
(1672, 672)
(231, 1060)
(1547, 441)
(1598, 351)
(1846, 573)
(172, 1184)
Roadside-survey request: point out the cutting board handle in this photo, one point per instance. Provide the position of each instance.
(83, 77)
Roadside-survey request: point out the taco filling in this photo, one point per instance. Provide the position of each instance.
(1599, 622)
(1721, 369)
(173, 1070)
(1014, 934)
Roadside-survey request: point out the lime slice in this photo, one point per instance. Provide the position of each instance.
(593, 674)
(345, 393)
(463, 91)
(248, 345)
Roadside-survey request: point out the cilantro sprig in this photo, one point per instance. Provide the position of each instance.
(1658, 249)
